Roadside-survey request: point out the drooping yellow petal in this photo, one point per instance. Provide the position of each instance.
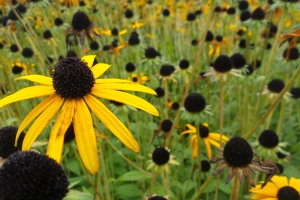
(89, 59)
(41, 122)
(112, 123)
(208, 148)
(34, 113)
(211, 141)
(190, 127)
(112, 80)
(62, 123)
(195, 146)
(124, 86)
(216, 136)
(85, 136)
(27, 93)
(44, 80)
(187, 132)
(126, 98)
(99, 69)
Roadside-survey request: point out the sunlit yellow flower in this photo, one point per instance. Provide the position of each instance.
(279, 189)
(209, 138)
(141, 78)
(74, 96)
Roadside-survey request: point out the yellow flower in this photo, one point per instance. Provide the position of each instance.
(141, 78)
(209, 139)
(74, 96)
(279, 189)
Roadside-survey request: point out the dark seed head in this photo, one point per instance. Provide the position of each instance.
(242, 43)
(58, 21)
(31, 175)
(106, 48)
(280, 155)
(280, 167)
(276, 85)
(269, 46)
(203, 131)
(243, 5)
(115, 31)
(12, 16)
(1, 45)
(128, 14)
(150, 53)
(194, 42)
(133, 40)
(71, 53)
(157, 198)
(194, 103)
(237, 152)
(223, 64)
(135, 79)
(14, 48)
(175, 105)
(21, 8)
(7, 141)
(294, 54)
(149, 2)
(209, 36)
(198, 12)
(245, 15)
(130, 67)
(231, 11)
(256, 63)
(17, 69)
(273, 29)
(238, 60)
(191, 17)
(166, 125)
(70, 134)
(217, 9)
(205, 165)
(166, 12)
(166, 70)
(268, 139)
(250, 70)
(184, 64)
(258, 14)
(160, 92)
(240, 32)
(288, 192)
(47, 34)
(27, 52)
(160, 156)
(80, 21)
(94, 45)
(4, 21)
(66, 80)
(295, 92)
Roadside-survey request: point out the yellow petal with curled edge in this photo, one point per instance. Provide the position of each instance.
(44, 80)
(27, 93)
(40, 123)
(85, 136)
(124, 86)
(195, 146)
(62, 123)
(112, 80)
(99, 69)
(112, 123)
(126, 98)
(34, 113)
(89, 59)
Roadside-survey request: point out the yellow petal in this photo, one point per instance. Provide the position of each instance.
(99, 69)
(85, 136)
(195, 146)
(27, 93)
(295, 183)
(280, 181)
(211, 141)
(123, 32)
(112, 123)
(62, 123)
(126, 98)
(112, 80)
(44, 80)
(190, 127)
(89, 59)
(34, 113)
(187, 132)
(124, 86)
(208, 148)
(40, 123)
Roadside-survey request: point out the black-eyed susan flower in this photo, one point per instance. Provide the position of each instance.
(140, 78)
(160, 92)
(74, 95)
(222, 66)
(291, 54)
(208, 138)
(274, 88)
(295, 92)
(130, 67)
(31, 175)
(279, 189)
(239, 157)
(7, 141)
(166, 73)
(161, 158)
(27, 52)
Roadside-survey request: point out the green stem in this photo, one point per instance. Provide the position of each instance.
(199, 192)
(236, 186)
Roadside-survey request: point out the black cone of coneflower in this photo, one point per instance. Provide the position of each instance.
(94, 45)
(280, 155)
(17, 69)
(258, 14)
(166, 70)
(250, 70)
(166, 12)
(58, 21)
(209, 36)
(243, 5)
(12, 15)
(217, 9)
(47, 34)
(205, 166)
(268, 139)
(219, 38)
(256, 63)
(166, 125)
(242, 43)
(280, 167)
(50, 59)
(4, 21)
(157, 198)
(80, 21)
(135, 79)
(115, 32)
(160, 92)
(27, 52)
(294, 54)
(231, 11)
(191, 17)
(269, 46)
(223, 64)
(7, 141)
(71, 53)
(1, 45)
(295, 92)
(273, 29)
(175, 105)
(70, 134)
(184, 64)
(194, 103)
(21, 8)
(106, 48)
(14, 48)
(130, 67)
(160, 156)
(203, 131)
(72, 85)
(150, 53)
(238, 60)
(133, 40)
(198, 12)
(240, 32)
(194, 42)
(31, 175)
(245, 15)
(149, 2)
(276, 85)
(238, 152)
(288, 192)
(128, 14)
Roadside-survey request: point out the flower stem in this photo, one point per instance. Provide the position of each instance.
(236, 187)
(205, 184)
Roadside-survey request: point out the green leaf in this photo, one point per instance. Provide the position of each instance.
(134, 176)
(76, 195)
(128, 191)
(73, 166)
